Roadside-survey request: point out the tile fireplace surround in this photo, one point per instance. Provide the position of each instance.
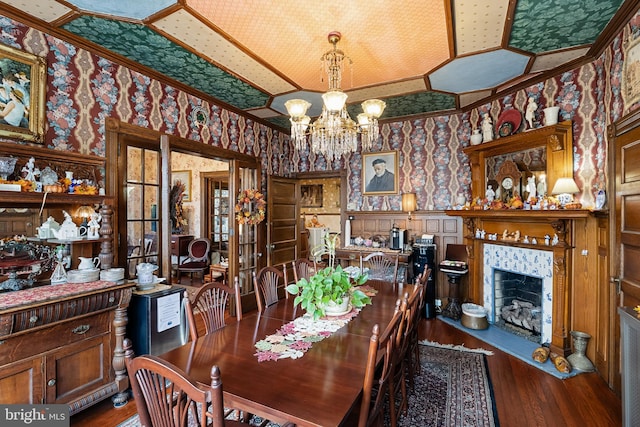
(528, 262)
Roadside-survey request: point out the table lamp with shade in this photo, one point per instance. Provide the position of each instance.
(564, 189)
(409, 206)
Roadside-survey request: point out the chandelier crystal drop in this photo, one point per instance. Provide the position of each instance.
(334, 133)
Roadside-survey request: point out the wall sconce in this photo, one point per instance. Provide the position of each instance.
(565, 188)
(85, 213)
(409, 203)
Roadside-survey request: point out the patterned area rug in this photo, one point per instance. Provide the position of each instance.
(453, 390)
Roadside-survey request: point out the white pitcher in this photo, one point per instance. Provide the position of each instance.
(88, 263)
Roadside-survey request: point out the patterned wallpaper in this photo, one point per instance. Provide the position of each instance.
(431, 161)
(83, 89)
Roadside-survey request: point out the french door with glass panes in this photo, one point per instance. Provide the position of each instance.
(217, 199)
(142, 198)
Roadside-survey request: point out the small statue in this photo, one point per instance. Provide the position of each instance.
(531, 111)
(490, 194)
(555, 240)
(531, 187)
(542, 186)
(487, 128)
(31, 170)
(93, 227)
(547, 239)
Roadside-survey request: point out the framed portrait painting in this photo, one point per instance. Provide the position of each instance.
(185, 178)
(22, 95)
(311, 196)
(380, 173)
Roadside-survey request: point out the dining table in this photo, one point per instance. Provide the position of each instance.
(323, 387)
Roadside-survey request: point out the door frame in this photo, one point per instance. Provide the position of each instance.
(115, 136)
(617, 129)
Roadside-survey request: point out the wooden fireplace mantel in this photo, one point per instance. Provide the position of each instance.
(573, 253)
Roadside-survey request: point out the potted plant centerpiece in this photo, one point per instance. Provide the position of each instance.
(331, 290)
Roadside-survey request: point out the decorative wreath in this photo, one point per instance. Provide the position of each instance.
(250, 208)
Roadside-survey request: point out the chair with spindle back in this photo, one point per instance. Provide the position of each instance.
(303, 268)
(382, 266)
(379, 374)
(165, 395)
(266, 283)
(211, 302)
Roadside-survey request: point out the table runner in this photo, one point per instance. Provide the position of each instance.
(295, 338)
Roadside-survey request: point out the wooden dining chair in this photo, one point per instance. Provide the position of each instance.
(416, 304)
(381, 266)
(165, 396)
(211, 302)
(378, 378)
(266, 283)
(303, 268)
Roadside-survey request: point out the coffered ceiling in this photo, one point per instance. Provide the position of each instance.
(420, 57)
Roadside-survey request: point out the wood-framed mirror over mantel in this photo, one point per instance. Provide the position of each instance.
(549, 151)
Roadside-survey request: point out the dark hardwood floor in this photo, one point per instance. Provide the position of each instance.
(525, 396)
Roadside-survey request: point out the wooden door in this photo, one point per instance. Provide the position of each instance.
(283, 231)
(625, 224)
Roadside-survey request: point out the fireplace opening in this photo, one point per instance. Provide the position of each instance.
(518, 303)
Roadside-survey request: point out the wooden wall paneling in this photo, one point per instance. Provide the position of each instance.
(604, 351)
(585, 284)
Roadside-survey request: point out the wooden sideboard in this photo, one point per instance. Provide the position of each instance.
(62, 344)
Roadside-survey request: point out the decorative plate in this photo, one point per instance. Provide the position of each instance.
(505, 129)
(512, 116)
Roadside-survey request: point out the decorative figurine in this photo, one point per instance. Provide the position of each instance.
(547, 238)
(487, 128)
(555, 240)
(93, 227)
(531, 187)
(542, 185)
(490, 194)
(31, 170)
(530, 114)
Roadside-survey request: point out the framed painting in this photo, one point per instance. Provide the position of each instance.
(22, 95)
(185, 178)
(311, 196)
(380, 173)
(631, 73)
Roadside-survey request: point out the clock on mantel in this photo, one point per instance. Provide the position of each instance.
(508, 180)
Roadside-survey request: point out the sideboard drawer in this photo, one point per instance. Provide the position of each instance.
(47, 339)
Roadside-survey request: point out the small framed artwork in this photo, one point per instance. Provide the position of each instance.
(631, 73)
(380, 173)
(311, 196)
(22, 94)
(185, 178)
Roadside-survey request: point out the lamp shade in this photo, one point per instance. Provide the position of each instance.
(373, 107)
(565, 185)
(334, 100)
(297, 107)
(409, 202)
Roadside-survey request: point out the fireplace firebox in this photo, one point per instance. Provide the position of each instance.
(518, 302)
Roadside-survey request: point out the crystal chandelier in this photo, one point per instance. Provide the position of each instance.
(334, 133)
